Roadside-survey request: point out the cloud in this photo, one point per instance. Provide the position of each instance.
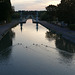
(33, 4)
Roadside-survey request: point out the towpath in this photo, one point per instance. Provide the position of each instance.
(65, 32)
(4, 28)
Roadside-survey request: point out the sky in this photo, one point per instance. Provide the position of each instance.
(33, 4)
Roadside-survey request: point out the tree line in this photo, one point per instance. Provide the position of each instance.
(65, 11)
(5, 10)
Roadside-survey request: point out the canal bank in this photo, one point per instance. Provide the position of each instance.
(5, 28)
(63, 31)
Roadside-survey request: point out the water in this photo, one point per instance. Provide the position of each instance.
(31, 49)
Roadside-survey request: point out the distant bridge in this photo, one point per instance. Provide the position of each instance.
(24, 19)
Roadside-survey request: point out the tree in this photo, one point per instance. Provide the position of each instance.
(51, 11)
(44, 16)
(5, 10)
(66, 11)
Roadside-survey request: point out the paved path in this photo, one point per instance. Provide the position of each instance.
(65, 32)
(4, 28)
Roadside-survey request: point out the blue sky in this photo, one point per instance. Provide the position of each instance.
(33, 4)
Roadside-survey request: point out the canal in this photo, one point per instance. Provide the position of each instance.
(31, 49)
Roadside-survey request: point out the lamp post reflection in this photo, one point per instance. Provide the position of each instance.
(36, 26)
(21, 24)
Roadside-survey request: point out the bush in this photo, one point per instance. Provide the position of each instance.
(16, 15)
(72, 26)
(44, 16)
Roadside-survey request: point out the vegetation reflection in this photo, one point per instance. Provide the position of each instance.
(5, 45)
(64, 45)
(36, 26)
(21, 24)
(61, 43)
(50, 36)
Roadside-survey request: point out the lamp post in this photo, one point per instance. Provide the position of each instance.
(21, 16)
(37, 16)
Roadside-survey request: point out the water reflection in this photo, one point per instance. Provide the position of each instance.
(66, 58)
(34, 54)
(36, 26)
(5, 45)
(60, 43)
(66, 49)
(50, 36)
(65, 45)
(21, 24)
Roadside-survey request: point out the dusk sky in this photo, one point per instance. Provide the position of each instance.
(33, 4)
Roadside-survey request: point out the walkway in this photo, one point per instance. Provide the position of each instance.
(4, 28)
(65, 32)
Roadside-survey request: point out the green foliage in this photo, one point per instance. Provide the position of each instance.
(72, 26)
(5, 10)
(16, 15)
(44, 16)
(50, 14)
(66, 11)
(51, 11)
